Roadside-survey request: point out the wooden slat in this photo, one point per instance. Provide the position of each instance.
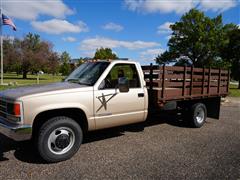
(228, 80)
(174, 68)
(224, 72)
(174, 84)
(203, 80)
(191, 83)
(209, 80)
(147, 71)
(219, 80)
(163, 81)
(184, 80)
(215, 71)
(224, 83)
(198, 69)
(224, 78)
(151, 77)
(174, 76)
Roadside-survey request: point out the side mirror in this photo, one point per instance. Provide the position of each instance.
(123, 84)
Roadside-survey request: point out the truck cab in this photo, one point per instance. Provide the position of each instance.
(115, 105)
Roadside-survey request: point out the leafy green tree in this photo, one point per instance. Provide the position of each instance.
(53, 66)
(232, 54)
(65, 68)
(80, 61)
(34, 54)
(197, 38)
(105, 53)
(30, 54)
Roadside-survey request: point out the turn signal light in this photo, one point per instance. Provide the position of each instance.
(17, 109)
(14, 109)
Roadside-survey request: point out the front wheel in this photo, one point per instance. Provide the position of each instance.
(198, 115)
(59, 139)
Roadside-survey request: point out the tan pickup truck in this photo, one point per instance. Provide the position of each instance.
(105, 94)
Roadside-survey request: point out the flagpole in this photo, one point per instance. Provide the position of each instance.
(1, 45)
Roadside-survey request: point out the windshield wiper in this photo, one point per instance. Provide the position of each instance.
(73, 80)
(84, 83)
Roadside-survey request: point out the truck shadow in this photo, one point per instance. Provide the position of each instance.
(25, 151)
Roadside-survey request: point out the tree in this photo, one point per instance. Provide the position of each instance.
(65, 66)
(80, 61)
(34, 54)
(197, 38)
(232, 53)
(105, 53)
(30, 54)
(53, 64)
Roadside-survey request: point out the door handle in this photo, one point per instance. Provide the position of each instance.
(140, 94)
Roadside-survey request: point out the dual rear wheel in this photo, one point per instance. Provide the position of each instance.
(196, 114)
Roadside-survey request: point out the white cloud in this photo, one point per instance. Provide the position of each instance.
(11, 38)
(88, 54)
(150, 54)
(220, 5)
(177, 6)
(57, 26)
(113, 26)
(69, 39)
(30, 10)
(163, 6)
(97, 42)
(164, 28)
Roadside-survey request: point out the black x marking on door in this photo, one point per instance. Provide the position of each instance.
(105, 100)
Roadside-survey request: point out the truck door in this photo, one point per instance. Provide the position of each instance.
(114, 108)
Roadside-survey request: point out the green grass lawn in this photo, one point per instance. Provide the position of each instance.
(16, 80)
(234, 91)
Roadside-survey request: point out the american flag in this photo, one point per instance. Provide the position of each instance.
(7, 21)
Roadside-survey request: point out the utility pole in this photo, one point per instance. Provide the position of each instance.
(1, 43)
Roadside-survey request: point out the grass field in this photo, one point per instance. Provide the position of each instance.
(14, 80)
(233, 91)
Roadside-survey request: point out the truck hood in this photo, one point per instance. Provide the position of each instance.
(38, 89)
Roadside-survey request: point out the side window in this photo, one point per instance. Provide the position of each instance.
(122, 70)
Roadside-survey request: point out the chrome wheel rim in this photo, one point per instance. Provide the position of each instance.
(200, 114)
(61, 140)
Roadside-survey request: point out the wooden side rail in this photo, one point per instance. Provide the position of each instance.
(181, 82)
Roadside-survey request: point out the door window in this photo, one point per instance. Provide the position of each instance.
(128, 71)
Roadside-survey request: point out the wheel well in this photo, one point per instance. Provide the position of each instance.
(212, 105)
(77, 114)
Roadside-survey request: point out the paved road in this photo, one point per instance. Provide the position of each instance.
(166, 149)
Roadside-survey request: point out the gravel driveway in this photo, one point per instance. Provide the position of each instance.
(166, 149)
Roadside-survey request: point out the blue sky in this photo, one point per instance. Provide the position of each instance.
(136, 29)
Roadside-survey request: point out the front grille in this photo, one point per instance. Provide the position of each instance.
(3, 109)
(6, 112)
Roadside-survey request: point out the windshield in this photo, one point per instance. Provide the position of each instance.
(88, 73)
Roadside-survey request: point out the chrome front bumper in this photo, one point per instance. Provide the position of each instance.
(16, 132)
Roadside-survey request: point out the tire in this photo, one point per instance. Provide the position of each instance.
(59, 139)
(198, 115)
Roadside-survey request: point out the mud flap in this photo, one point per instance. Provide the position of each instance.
(213, 107)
